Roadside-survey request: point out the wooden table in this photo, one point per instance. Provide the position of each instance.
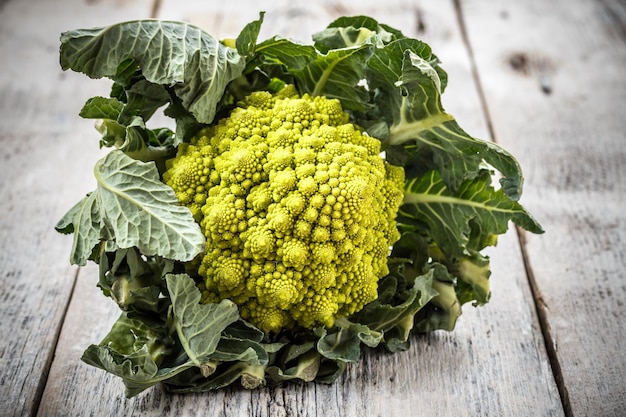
(545, 79)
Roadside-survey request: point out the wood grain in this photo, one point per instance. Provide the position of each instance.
(494, 363)
(46, 164)
(557, 99)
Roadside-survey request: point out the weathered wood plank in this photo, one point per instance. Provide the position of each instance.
(42, 147)
(557, 97)
(494, 363)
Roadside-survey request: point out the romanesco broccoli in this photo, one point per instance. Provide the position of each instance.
(297, 206)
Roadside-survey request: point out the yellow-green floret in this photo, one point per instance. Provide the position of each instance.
(297, 206)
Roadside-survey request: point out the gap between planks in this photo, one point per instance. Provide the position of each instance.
(537, 299)
(542, 317)
(458, 9)
(156, 7)
(55, 341)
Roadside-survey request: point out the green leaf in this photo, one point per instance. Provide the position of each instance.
(343, 37)
(102, 108)
(338, 74)
(130, 335)
(231, 349)
(113, 133)
(343, 341)
(134, 351)
(167, 53)
(143, 99)
(305, 369)
(396, 321)
(133, 281)
(247, 39)
(348, 31)
(251, 376)
(137, 141)
(186, 123)
(241, 329)
(425, 131)
(447, 214)
(133, 208)
(367, 22)
(385, 72)
(84, 221)
(293, 351)
(137, 369)
(445, 308)
(136, 138)
(199, 326)
(412, 247)
(127, 73)
(143, 144)
(282, 51)
(141, 211)
(473, 272)
(512, 181)
(421, 125)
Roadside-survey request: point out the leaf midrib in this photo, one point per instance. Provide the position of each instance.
(423, 198)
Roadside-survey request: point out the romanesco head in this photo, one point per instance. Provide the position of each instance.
(297, 206)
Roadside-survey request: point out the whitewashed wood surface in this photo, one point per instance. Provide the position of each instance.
(543, 78)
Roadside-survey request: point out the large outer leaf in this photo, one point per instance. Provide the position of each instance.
(428, 199)
(407, 79)
(132, 208)
(141, 211)
(168, 53)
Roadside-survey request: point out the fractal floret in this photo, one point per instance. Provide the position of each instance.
(297, 206)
